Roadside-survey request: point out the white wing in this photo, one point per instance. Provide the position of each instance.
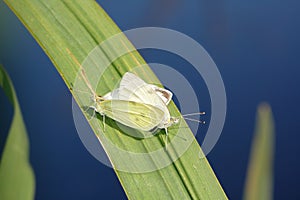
(112, 95)
(163, 93)
(132, 114)
(133, 88)
(131, 84)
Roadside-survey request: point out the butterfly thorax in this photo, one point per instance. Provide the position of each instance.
(97, 107)
(171, 121)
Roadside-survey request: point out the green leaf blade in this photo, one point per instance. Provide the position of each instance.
(259, 182)
(80, 26)
(16, 175)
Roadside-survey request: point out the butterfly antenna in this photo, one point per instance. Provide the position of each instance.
(81, 91)
(195, 120)
(82, 72)
(192, 114)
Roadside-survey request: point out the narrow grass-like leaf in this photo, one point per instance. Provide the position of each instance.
(67, 29)
(16, 175)
(259, 182)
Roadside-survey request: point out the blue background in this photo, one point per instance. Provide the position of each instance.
(256, 47)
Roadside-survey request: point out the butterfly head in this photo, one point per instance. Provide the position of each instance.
(174, 120)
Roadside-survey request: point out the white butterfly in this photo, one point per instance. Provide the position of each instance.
(137, 115)
(144, 117)
(133, 88)
(135, 103)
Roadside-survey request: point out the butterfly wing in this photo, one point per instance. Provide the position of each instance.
(163, 93)
(132, 88)
(136, 115)
(112, 95)
(135, 89)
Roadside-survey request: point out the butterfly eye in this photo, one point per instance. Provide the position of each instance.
(174, 120)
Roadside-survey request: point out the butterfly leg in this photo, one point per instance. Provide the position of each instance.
(94, 111)
(103, 123)
(166, 140)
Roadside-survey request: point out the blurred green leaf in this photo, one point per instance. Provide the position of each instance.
(16, 175)
(259, 182)
(79, 27)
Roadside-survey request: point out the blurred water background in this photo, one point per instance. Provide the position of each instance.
(256, 47)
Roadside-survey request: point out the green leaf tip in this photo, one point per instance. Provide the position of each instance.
(259, 182)
(16, 175)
